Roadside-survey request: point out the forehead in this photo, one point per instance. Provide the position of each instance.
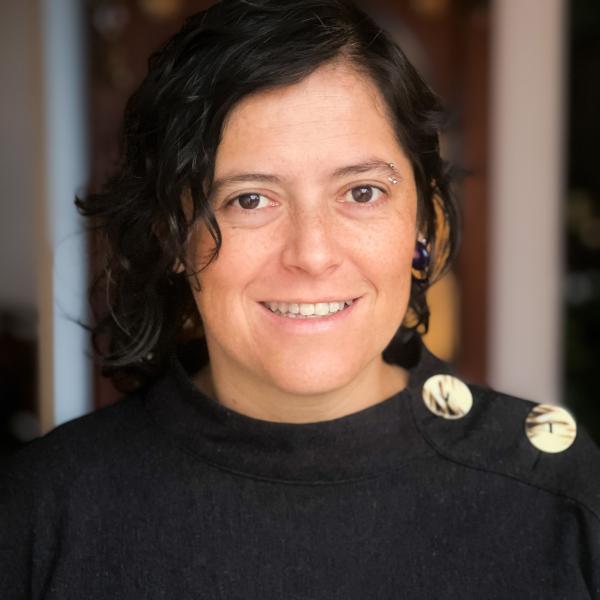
(335, 115)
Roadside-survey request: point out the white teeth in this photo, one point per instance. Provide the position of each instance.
(320, 309)
(307, 309)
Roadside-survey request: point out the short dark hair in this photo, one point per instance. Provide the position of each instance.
(172, 128)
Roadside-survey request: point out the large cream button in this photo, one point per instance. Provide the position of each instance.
(550, 428)
(447, 396)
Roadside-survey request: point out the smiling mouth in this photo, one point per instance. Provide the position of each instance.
(317, 310)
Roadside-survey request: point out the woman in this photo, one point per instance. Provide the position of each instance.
(283, 200)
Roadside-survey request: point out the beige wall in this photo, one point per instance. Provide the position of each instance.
(20, 152)
(43, 164)
(527, 166)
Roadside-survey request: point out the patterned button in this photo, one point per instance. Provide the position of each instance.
(447, 397)
(550, 428)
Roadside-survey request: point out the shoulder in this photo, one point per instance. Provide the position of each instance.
(84, 443)
(539, 445)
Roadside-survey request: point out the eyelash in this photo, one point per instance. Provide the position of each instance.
(230, 203)
(370, 205)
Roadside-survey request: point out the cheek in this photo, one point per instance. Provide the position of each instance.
(223, 281)
(388, 247)
(387, 257)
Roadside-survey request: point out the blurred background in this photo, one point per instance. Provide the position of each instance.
(521, 309)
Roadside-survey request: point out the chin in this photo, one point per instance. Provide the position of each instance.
(314, 378)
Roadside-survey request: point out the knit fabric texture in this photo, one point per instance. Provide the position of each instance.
(168, 494)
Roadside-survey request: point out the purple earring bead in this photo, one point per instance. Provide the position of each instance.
(421, 258)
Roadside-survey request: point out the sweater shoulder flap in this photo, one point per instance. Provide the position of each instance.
(537, 444)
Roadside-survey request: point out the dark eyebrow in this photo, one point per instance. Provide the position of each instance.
(370, 165)
(364, 167)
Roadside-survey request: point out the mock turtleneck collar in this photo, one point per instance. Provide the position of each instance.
(356, 446)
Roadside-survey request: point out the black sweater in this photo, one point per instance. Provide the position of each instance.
(168, 494)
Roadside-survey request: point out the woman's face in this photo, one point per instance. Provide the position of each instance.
(311, 218)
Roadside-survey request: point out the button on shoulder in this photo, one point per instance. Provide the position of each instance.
(537, 444)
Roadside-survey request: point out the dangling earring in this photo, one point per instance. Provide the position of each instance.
(421, 261)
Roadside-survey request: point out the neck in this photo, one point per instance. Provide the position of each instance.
(255, 398)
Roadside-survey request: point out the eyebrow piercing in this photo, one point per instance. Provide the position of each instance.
(393, 179)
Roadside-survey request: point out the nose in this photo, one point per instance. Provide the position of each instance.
(311, 244)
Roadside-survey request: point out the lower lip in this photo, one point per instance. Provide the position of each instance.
(310, 325)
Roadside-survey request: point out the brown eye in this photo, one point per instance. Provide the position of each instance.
(366, 194)
(251, 201)
(362, 194)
